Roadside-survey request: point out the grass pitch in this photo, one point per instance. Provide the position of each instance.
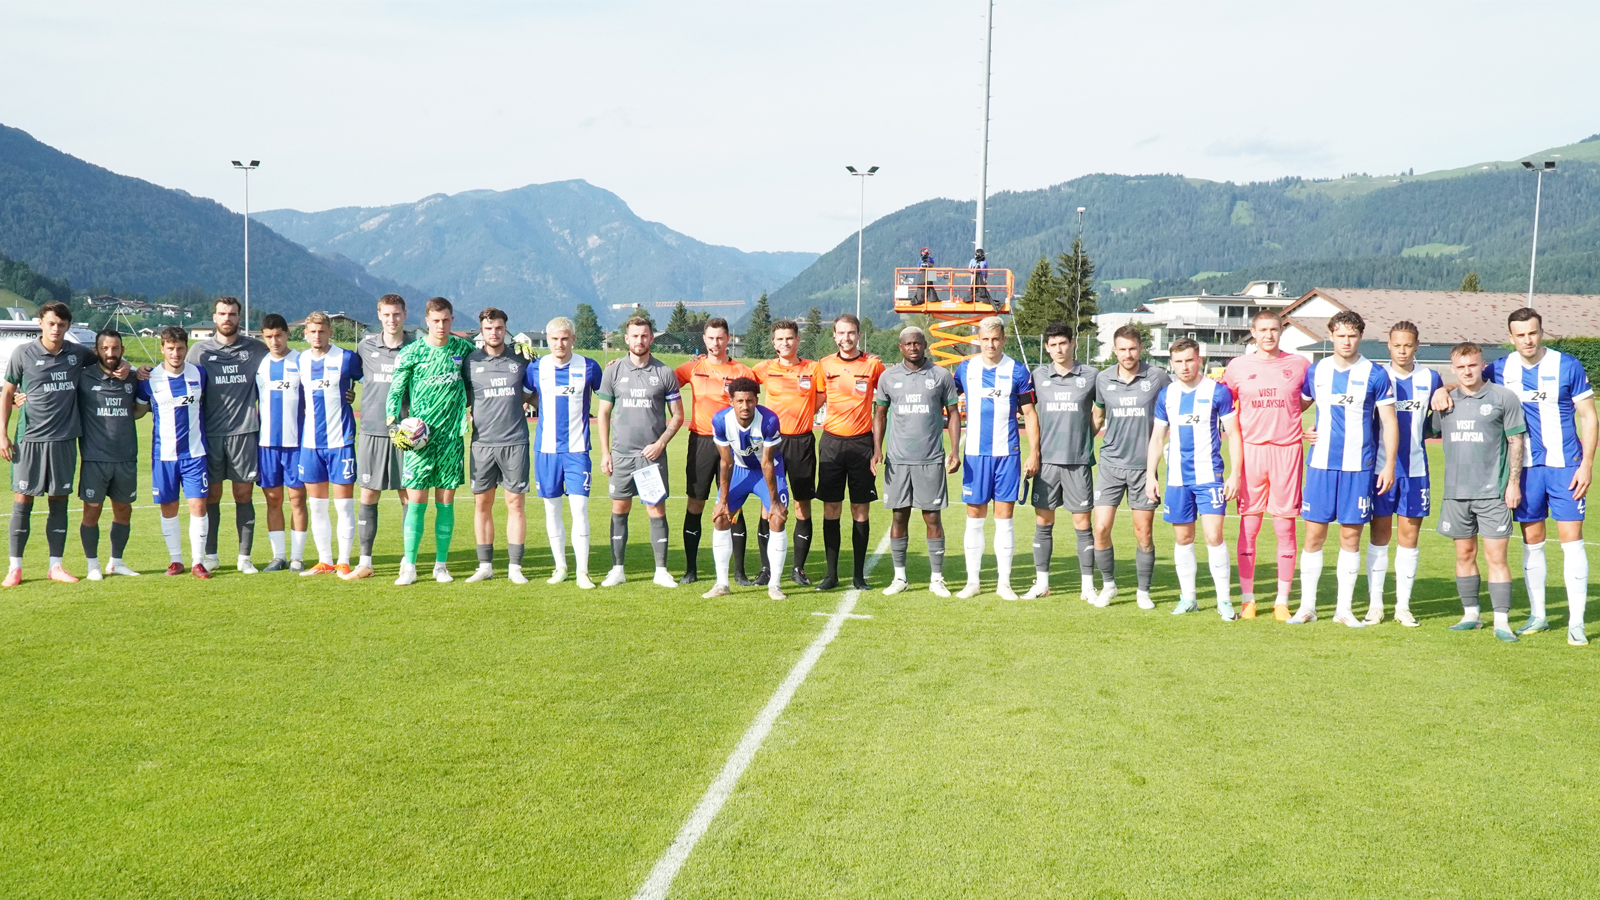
(276, 736)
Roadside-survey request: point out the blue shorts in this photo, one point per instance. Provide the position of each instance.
(1547, 494)
(986, 478)
(168, 475)
(1408, 497)
(336, 466)
(750, 481)
(278, 467)
(560, 474)
(1331, 495)
(1186, 501)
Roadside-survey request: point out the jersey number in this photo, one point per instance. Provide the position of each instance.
(1535, 396)
(1344, 399)
(1190, 419)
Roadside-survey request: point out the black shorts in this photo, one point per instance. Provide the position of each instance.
(701, 468)
(846, 462)
(800, 463)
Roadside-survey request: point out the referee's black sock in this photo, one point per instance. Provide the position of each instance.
(691, 543)
(213, 525)
(741, 539)
(802, 543)
(830, 546)
(858, 546)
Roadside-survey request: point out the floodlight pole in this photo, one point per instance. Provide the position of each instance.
(1077, 280)
(861, 227)
(247, 169)
(1538, 189)
(983, 165)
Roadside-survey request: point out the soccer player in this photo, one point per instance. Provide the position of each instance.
(638, 397)
(707, 378)
(429, 385)
(109, 446)
(1557, 463)
(379, 466)
(178, 448)
(564, 383)
(1127, 395)
(279, 394)
(1198, 412)
(1413, 388)
(1354, 397)
(1266, 392)
(794, 389)
(923, 402)
(230, 358)
(1069, 419)
(44, 456)
(499, 446)
(1483, 433)
(997, 388)
(749, 440)
(849, 377)
(327, 441)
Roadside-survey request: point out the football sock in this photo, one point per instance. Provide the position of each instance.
(555, 528)
(321, 528)
(1086, 557)
(763, 532)
(485, 554)
(1377, 570)
(1534, 572)
(802, 542)
(1217, 560)
(1004, 546)
(1249, 531)
(1575, 572)
(897, 553)
(740, 541)
(346, 508)
(830, 546)
(580, 532)
(197, 537)
(514, 555)
(1467, 589)
(1105, 562)
(21, 524)
(275, 538)
(55, 528)
(172, 533)
(1347, 574)
(691, 542)
(936, 557)
(777, 547)
(1310, 574)
(722, 554)
(90, 536)
(972, 543)
(444, 528)
(366, 528)
(1044, 544)
(1500, 602)
(1184, 562)
(1288, 547)
(119, 540)
(1144, 564)
(213, 525)
(1405, 575)
(658, 540)
(411, 531)
(619, 538)
(858, 547)
(297, 546)
(244, 522)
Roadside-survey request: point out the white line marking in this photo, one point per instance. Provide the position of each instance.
(850, 616)
(655, 887)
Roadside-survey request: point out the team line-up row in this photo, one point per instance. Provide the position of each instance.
(1518, 438)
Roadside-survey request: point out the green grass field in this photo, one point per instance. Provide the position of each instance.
(273, 736)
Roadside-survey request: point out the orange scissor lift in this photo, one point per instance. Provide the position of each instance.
(955, 299)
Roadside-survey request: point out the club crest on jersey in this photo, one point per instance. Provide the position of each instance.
(1287, 373)
(931, 383)
(861, 385)
(805, 382)
(1485, 409)
(1444, 526)
(73, 360)
(654, 381)
(1080, 383)
(1144, 386)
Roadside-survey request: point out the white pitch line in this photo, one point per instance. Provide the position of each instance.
(655, 887)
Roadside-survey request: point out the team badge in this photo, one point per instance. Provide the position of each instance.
(1080, 383)
(127, 388)
(931, 383)
(1485, 409)
(1444, 526)
(861, 385)
(805, 382)
(654, 381)
(1287, 373)
(1144, 386)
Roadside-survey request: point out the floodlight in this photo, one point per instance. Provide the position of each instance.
(239, 165)
(1526, 164)
(850, 169)
(875, 169)
(1549, 164)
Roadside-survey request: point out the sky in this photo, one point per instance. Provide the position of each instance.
(733, 122)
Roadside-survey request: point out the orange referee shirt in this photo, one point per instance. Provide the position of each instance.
(708, 383)
(793, 392)
(848, 386)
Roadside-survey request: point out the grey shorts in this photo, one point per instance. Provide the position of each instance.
(505, 467)
(622, 469)
(1462, 519)
(379, 464)
(44, 468)
(114, 481)
(232, 457)
(1062, 486)
(1111, 484)
(920, 485)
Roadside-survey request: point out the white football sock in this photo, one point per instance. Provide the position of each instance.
(172, 533)
(1219, 563)
(197, 537)
(722, 553)
(972, 543)
(297, 546)
(276, 539)
(1534, 573)
(1348, 574)
(1184, 562)
(321, 529)
(1310, 574)
(556, 529)
(1377, 572)
(777, 551)
(580, 533)
(1575, 571)
(1005, 544)
(55, 562)
(346, 508)
(1405, 575)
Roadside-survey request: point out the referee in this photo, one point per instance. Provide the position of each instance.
(707, 379)
(850, 377)
(794, 390)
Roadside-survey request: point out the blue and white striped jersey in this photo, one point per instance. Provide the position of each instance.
(329, 422)
(564, 390)
(1548, 389)
(1347, 413)
(1194, 418)
(177, 431)
(278, 400)
(1412, 394)
(748, 441)
(995, 394)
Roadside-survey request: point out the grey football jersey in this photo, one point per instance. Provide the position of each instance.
(106, 405)
(494, 388)
(377, 362)
(638, 396)
(917, 400)
(51, 382)
(228, 400)
(1474, 435)
(1128, 406)
(1066, 419)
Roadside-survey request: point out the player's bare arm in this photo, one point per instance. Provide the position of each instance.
(1030, 424)
(654, 449)
(8, 394)
(1441, 401)
(1588, 433)
(1158, 444)
(1097, 416)
(769, 470)
(1230, 483)
(602, 424)
(720, 515)
(880, 418)
(1514, 468)
(1391, 446)
(952, 428)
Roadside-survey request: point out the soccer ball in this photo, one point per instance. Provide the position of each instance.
(410, 434)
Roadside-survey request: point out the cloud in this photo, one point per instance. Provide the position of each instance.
(1145, 142)
(1288, 152)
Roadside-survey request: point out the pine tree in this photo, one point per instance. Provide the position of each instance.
(1075, 274)
(679, 322)
(757, 338)
(587, 327)
(1040, 303)
(1470, 283)
(814, 343)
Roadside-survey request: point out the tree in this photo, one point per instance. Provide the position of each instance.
(586, 326)
(1040, 303)
(1075, 274)
(1470, 283)
(638, 311)
(679, 323)
(757, 344)
(815, 343)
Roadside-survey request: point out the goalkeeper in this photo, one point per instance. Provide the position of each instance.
(429, 376)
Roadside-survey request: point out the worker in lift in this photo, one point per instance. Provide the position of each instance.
(980, 280)
(927, 293)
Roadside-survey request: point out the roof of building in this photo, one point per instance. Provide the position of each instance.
(1447, 317)
(1437, 355)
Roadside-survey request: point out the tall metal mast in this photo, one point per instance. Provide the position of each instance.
(983, 167)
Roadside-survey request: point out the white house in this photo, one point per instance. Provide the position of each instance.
(1220, 322)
